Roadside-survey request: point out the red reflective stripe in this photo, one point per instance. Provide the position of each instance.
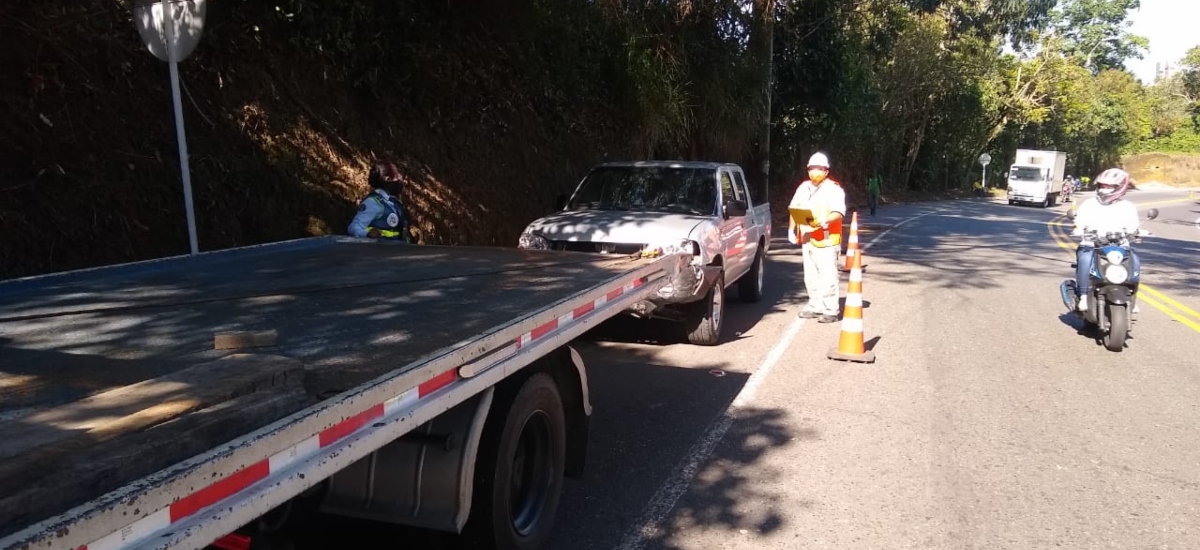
(543, 330)
(583, 310)
(612, 294)
(212, 494)
(349, 425)
(438, 382)
(639, 282)
(233, 541)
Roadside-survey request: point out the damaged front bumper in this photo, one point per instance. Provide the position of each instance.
(691, 283)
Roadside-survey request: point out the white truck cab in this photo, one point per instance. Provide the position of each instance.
(1036, 177)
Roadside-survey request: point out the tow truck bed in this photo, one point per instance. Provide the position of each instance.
(109, 375)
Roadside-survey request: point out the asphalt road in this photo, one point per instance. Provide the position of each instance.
(987, 420)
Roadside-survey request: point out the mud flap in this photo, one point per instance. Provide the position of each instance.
(1070, 297)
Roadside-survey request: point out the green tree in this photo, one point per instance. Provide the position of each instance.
(1094, 32)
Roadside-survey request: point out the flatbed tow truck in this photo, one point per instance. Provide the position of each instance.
(191, 401)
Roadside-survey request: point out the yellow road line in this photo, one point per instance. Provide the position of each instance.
(1059, 234)
(1182, 308)
(1188, 322)
(1162, 202)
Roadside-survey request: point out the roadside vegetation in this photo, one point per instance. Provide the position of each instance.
(494, 109)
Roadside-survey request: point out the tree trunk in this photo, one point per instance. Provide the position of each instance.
(762, 43)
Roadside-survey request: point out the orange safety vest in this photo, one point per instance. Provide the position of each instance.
(821, 238)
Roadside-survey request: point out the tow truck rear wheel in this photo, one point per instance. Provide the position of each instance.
(704, 317)
(519, 470)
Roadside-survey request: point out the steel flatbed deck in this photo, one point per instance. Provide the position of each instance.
(126, 391)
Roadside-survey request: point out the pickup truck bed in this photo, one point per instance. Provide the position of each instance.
(111, 374)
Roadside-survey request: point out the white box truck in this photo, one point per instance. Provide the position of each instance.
(1036, 177)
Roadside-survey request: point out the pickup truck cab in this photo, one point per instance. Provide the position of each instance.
(664, 207)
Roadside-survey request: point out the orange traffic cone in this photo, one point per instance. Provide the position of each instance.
(850, 344)
(852, 246)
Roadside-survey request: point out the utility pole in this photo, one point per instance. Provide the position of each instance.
(764, 39)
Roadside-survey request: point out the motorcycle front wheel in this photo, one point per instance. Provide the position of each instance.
(1118, 328)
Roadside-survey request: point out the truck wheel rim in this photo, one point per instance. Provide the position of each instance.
(718, 304)
(761, 264)
(531, 474)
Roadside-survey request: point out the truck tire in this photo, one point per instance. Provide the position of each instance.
(1118, 328)
(519, 470)
(705, 317)
(750, 286)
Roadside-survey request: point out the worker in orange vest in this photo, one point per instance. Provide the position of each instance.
(819, 238)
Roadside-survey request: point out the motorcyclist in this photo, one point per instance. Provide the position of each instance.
(1104, 213)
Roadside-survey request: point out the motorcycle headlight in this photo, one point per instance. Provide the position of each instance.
(532, 241)
(1114, 257)
(1116, 274)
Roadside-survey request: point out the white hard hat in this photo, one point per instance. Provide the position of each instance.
(818, 159)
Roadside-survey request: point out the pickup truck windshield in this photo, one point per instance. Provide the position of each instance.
(1023, 173)
(649, 189)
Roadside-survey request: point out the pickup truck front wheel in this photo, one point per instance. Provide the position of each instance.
(519, 471)
(704, 317)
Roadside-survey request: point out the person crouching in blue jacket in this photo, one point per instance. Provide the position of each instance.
(381, 215)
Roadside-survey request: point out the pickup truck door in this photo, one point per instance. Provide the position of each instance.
(734, 238)
(758, 218)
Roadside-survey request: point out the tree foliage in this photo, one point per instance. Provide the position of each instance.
(494, 108)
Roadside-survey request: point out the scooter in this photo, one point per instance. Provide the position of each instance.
(1112, 293)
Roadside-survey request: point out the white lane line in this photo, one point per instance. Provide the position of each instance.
(668, 494)
(664, 500)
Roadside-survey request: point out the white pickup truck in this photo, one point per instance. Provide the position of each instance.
(663, 207)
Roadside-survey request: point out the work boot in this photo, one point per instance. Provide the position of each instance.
(806, 314)
(827, 319)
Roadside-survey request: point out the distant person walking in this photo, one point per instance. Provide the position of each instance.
(873, 184)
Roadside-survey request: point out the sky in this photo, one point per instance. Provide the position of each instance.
(1170, 25)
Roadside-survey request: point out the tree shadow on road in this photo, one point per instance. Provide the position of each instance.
(736, 491)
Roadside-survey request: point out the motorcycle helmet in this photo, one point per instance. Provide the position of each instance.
(1111, 185)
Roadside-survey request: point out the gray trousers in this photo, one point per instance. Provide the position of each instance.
(821, 279)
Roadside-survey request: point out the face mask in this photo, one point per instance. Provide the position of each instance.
(816, 175)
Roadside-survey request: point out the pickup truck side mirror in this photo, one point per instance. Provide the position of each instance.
(560, 202)
(735, 208)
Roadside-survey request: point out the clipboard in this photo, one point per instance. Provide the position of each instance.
(802, 216)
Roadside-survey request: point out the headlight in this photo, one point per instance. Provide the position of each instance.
(1116, 274)
(1114, 257)
(674, 247)
(532, 241)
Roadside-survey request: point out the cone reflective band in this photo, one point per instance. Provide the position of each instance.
(852, 248)
(851, 346)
